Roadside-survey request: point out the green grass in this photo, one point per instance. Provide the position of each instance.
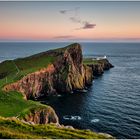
(87, 61)
(13, 104)
(33, 64)
(14, 70)
(13, 128)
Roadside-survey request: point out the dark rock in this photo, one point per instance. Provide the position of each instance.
(41, 116)
(98, 69)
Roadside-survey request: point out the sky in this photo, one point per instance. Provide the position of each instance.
(70, 21)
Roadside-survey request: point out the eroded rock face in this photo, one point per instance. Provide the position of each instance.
(70, 73)
(42, 116)
(32, 84)
(88, 75)
(98, 69)
(106, 65)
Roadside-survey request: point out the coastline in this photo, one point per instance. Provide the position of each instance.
(36, 118)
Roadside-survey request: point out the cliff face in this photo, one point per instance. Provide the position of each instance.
(70, 72)
(66, 74)
(98, 69)
(41, 116)
(33, 84)
(88, 75)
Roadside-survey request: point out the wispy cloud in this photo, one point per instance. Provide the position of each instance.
(88, 25)
(63, 36)
(63, 11)
(76, 19)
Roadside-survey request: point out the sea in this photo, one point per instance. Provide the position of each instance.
(112, 104)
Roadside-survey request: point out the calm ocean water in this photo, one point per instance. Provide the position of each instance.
(112, 103)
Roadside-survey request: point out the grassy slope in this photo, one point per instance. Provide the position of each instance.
(12, 103)
(14, 70)
(87, 61)
(12, 128)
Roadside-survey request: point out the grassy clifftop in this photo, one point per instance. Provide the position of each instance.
(90, 61)
(12, 128)
(12, 104)
(14, 70)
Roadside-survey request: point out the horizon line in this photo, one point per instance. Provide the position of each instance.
(99, 41)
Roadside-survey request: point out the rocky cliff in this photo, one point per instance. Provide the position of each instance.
(66, 74)
(40, 115)
(100, 67)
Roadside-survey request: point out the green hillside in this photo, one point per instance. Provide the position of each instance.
(12, 128)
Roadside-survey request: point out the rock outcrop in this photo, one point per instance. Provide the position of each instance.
(12, 128)
(88, 75)
(66, 74)
(43, 115)
(98, 69)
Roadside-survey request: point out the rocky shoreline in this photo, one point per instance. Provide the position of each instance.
(98, 69)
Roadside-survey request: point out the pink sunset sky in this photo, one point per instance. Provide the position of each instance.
(68, 21)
